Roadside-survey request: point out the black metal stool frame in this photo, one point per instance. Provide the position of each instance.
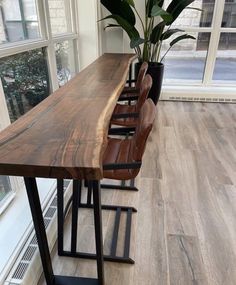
(75, 200)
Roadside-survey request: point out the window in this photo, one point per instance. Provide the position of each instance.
(60, 16)
(187, 59)
(65, 61)
(25, 81)
(225, 67)
(5, 188)
(211, 58)
(18, 21)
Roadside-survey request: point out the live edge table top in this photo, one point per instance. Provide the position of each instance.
(65, 135)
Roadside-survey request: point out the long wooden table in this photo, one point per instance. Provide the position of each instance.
(65, 137)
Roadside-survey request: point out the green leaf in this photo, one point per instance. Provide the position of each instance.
(193, 8)
(158, 11)
(111, 26)
(157, 32)
(130, 30)
(176, 7)
(136, 42)
(130, 2)
(180, 38)
(150, 4)
(120, 8)
(166, 35)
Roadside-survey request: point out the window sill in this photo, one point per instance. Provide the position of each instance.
(6, 201)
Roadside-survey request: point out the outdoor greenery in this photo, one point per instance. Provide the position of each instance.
(25, 81)
(25, 78)
(156, 27)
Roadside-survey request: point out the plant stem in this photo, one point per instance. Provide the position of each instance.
(165, 53)
(140, 19)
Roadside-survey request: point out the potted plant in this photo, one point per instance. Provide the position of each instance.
(156, 28)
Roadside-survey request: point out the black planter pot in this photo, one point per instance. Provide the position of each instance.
(156, 70)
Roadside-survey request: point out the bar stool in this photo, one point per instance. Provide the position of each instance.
(122, 160)
(127, 115)
(132, 93)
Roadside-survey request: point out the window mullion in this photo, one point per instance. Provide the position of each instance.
(74, 16)
(51, 58)
(214, 42)
(42, 19)
(23, 19)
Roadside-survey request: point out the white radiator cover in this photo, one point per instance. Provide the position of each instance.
(28, 267)
(208, 94)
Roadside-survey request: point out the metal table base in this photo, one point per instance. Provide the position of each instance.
(36, 211)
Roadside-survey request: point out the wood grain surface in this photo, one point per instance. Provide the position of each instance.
(65, 135)
(184, 232)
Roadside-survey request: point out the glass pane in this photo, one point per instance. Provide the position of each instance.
(65, 61)
(25, 81)
(225, 67)
(5, 187)
(30, 11)
(187, 59)
(18, 21)
(11, 10)
(33, 30)
(229, 18)
(59, 16)
(14, 32)
(193, 17)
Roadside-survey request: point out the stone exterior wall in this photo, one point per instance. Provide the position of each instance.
(58, 13)
(188, 18)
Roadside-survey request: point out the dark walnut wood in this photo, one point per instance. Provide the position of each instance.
(65, 135)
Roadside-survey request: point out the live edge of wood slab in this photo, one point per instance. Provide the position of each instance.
(66, 134)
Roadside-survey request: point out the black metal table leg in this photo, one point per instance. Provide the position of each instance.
(74, 224)
(36, 211)
(60, 215)
(98, 230)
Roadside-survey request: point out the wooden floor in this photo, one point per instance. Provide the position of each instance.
(185, 229)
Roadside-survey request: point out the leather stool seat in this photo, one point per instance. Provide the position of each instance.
(129, 93)
(118, 151)
(129, 151)
(126, 115)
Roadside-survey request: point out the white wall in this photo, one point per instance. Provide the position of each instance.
(88, 32)
(114, 39)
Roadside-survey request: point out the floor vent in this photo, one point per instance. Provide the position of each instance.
(20, 270)
(31, 249)
(26, 258)
(200, 99)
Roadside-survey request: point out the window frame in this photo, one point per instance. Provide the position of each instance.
(215, 32)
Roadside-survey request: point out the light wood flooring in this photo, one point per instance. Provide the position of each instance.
(185, 229)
